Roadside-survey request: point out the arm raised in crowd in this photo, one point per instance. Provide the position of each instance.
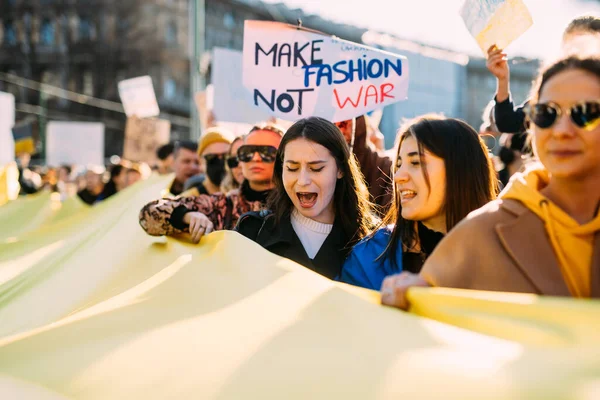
(167, 217)
(507, 118)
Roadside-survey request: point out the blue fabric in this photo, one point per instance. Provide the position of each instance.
(362, 267)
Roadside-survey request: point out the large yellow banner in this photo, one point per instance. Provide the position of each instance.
(92, 308)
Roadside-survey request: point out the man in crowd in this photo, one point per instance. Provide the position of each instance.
(94, 185)
(165, 158)
(213, 150)
(186, 164)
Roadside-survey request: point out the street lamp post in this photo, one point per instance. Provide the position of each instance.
(196, 79)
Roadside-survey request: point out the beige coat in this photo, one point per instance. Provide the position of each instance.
(502, 247)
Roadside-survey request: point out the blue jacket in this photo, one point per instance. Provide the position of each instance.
(361, 267)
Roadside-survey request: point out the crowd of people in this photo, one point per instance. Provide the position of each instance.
(443, 209)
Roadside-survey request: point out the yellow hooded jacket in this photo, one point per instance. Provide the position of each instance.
(572, 242)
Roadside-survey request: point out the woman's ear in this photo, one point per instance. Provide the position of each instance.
(340, 174)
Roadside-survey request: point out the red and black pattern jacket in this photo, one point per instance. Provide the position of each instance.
(165, 216)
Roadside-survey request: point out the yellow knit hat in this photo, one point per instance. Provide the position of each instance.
(214, 135)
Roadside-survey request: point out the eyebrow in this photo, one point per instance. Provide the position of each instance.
(412, 154)
(309, 163)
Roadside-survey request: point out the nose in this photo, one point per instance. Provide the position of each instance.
(304, 177)
(401, 176)
(564, 127)
(256, 157)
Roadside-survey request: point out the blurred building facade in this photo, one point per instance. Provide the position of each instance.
(87, 46)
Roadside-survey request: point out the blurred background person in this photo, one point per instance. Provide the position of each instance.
(186, 163)
(234, 175)
(165, 158)
(94, 184)
(213, 149)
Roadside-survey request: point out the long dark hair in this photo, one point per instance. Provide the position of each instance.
(470, 176)
(351, 197)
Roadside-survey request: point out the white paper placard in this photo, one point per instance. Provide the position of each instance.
(495, 22)
(230, 102)
(74, 143)
(138, 97)
(295, 73)
(7, 110)
(7, 146)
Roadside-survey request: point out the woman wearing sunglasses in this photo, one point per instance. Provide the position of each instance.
(319, 206)
(199, 215)
(442, 173)
(543, 235)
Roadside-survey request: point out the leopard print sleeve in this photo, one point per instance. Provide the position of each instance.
(155, 217)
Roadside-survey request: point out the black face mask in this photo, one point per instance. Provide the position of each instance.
(215, 169)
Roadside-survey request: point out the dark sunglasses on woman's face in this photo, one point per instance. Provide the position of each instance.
(267, 153)
(212, 157)
(584, 114)
(232, 162)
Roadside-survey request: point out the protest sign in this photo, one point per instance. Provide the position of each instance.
(143, 137)
(230, 103)
(138, 97)
(7, 121)
(294, 73)
(7, 110)
(7, 146)
(495, 22)
(74, 143)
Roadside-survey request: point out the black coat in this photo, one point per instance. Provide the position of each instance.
(282, 240)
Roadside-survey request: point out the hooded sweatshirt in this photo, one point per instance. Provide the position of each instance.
(572, 243)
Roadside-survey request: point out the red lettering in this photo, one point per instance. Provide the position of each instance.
(371, 93)
(385, 93)
(348, 99)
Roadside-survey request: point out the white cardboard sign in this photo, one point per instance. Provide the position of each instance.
(7, 121)
(294, 73)
(138, 97)
(230, 103)
(7, 110)
(496, 22)
(74, 143)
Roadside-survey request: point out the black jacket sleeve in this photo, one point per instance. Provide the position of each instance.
(509, 119)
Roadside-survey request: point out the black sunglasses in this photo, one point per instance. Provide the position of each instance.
(212, 157)
(267, 153)
(232, 162)
(584, 114)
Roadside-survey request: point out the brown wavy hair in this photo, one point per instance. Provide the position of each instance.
(351, 197)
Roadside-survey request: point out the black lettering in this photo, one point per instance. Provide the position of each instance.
(313, 50)
(287, 54)
(300, 93)
(285, 97)
(270, 104)
(298, 54)
(273, 50)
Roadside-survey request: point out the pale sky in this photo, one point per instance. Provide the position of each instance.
(437, 22)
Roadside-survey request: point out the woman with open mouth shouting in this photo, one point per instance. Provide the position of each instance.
(319, 206)
(442, 173)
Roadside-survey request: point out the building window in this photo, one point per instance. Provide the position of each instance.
(85, 29)
(169, 89)
(47, 32)
(228, 21)
(88, 83)
(171, 34)
(10, 33)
